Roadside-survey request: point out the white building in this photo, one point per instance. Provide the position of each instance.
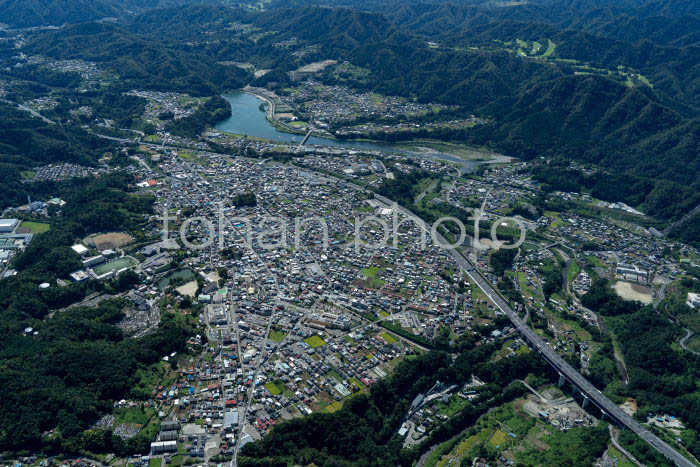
(693, 301)
(80, 249)
(8, 225)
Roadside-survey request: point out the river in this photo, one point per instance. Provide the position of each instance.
(247, 119)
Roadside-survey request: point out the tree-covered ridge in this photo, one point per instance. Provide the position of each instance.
(27, 142)
(60, 380)
(214, 110)
(31, 13)
(661, 379)
(70, 373)
(141, 62)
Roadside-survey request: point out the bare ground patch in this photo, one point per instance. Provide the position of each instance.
(111, 240)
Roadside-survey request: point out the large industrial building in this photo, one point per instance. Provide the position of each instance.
(8, 225)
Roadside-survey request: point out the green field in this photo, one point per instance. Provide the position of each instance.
(315, 341)
(277, 336)
(131, 415)
(498, 439)
(370, 272)
(116, 265)
(551, 47)
(272, 387)
(597, 262)
(35, 227)
(332, 407)
(558, 222)
(389, 338)
(574, 270)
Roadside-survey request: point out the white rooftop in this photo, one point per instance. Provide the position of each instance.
(80, 249)
(8, 222)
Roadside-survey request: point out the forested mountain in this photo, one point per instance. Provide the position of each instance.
(27, 142)
(31, 13)
(572, 103)
(537, 105)
(140, 62)
(593, 119)
(341, 28)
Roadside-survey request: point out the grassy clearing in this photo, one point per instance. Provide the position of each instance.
(277, 336)
(370, 272)
(133, 415)
(574, 270)
(558, 221)
(551, 47)
(273, 388)
(622, 460)
(597, 262)
(315, 341)
(333, 407)
(458, 150)
(389, 338)
(35, 227)
(498, 439)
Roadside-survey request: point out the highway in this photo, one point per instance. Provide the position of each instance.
(680, 221)
(567, 371)
(27, 109)
(574, 377)
(589, 391)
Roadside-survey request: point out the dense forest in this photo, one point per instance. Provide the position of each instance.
(663, 199)
(212, 111)
(27, 142)
(31, 13)
(61, 379)
(661, 379)
(141, 62)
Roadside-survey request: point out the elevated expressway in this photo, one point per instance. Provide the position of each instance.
(566, 371)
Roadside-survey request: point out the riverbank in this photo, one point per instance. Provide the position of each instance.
(423, 145)
(464, 152)
(271, 113)
(249, 121)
